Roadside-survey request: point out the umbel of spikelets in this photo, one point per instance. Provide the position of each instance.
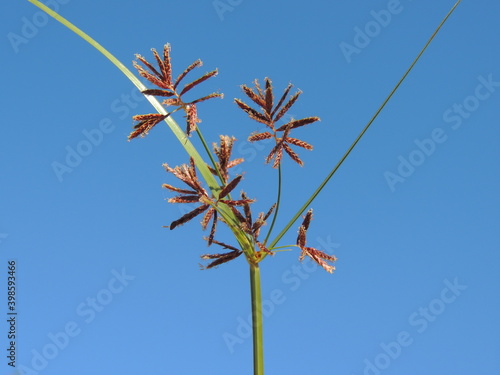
(169, 89)
(269, 115)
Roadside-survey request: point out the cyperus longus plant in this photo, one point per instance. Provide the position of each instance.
(207, 182)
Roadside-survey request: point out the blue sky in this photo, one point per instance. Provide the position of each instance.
(412, 215)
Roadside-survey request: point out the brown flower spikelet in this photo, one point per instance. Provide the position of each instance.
(162, 78)
(318, 256)
(270, 115)
(198, 194)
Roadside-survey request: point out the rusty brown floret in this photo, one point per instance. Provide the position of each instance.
(318, 256)
(269, 115)
(198, 194)
(162, 78)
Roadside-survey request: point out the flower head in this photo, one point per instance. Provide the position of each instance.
(198, 194)
(269, 115)
(318, 256)
(223, 152)
(168, 87)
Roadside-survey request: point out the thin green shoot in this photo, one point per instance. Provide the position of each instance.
(337, 166)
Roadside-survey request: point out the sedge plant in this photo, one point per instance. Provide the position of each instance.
(206, 176)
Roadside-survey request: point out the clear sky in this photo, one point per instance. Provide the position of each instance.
(412, 215)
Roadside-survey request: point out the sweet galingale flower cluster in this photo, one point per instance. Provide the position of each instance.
(213, 205)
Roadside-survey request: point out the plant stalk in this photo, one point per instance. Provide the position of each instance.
(278, 201)
(337, 166)
(257, 326)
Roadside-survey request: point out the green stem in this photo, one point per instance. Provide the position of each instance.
(332, 172)
(257, 326)
(207, 150)
(278, 201)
